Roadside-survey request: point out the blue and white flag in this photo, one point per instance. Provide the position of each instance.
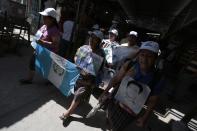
(62, 73)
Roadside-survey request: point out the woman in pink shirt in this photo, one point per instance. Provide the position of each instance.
(47, 36)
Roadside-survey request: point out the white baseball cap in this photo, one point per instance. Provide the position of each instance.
(134, 33)
(114, 31)
(97, 33)
(49, 12)
(151, 46)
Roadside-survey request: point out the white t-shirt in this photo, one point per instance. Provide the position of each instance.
(108, 48)
(67, 27)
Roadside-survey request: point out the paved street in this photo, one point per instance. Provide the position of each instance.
(37, 107)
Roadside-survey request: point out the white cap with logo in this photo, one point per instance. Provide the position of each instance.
(49, 12)
(151, 46)
(97, 33)
(134, 33)
(114, 31)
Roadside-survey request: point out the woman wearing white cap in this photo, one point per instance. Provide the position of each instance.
(113, 35)
(47, 36)
(143, 71)
(129, 49)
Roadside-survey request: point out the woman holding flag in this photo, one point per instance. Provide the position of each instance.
(47, 36)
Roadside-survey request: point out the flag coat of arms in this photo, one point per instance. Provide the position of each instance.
(62, 73)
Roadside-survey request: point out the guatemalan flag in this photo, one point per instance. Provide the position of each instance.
(62, 73)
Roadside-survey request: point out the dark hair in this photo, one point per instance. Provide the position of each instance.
(54, 21)
(98, 45)
(99, 41)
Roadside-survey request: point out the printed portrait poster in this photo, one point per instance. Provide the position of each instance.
(132, 95)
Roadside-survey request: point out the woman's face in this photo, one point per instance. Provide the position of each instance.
(47, 20)
(112, 37)
(132, 40)
(94, 41)
(146, 59)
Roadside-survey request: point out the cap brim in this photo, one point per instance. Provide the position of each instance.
(149, 49)
(113, 33)
(132, 35)
(43, 13)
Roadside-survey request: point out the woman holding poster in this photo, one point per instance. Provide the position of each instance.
(133, 91)
(89, 59)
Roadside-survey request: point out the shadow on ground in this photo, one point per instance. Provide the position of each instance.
(19, 101)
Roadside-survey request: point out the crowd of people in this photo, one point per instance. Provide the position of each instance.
(127, 60)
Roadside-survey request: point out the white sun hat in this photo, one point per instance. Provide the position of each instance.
(134, 33)
(114, 31)
(49, 12)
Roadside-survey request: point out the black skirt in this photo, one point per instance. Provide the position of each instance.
(118, 117)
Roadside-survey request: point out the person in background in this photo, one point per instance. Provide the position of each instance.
(95, 27)
(130, 49)
(48, 37)
(111, 41)
(63, 17)
(87, 81)
(65, 41)
(132, 39)
(108, 46)
(143, 71)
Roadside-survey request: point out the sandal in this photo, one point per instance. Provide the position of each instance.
(66, 120)
(63, 117)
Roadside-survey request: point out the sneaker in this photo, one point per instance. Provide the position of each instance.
(25, 81)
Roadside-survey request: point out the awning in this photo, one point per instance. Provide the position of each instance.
(163, 16)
